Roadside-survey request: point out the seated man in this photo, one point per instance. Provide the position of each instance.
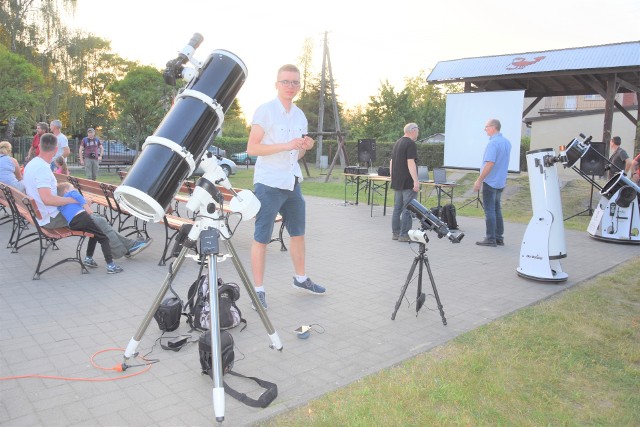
(78, 215)
(41, 185)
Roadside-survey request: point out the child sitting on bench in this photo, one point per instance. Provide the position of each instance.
(79, 218)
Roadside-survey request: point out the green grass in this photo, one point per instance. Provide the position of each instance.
(572, 360)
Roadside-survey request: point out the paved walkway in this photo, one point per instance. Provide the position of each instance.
(53, 326)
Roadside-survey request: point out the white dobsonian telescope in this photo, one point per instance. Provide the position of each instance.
(616, 217)
(543, 244)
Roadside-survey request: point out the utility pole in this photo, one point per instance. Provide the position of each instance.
(326, 65)
(323, 85)
(339, 135)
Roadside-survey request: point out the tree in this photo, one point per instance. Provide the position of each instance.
(21, 86)
(386, 114)
(90, 68)
(31, 23)
(234, 124)
(428, 103)
(140, 98)
(305, 60)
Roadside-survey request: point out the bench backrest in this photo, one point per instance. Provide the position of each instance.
(21, 204)
(87, 185)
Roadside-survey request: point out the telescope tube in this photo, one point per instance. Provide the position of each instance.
(169, 155)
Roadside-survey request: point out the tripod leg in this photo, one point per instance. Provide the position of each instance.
(435, 291)
(216, 347)
(273, 335)
(404, 288)
(477, 200)
(420, 296)
(173, 270)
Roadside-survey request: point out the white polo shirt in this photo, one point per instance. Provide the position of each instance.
(37, 174)
(279, 170)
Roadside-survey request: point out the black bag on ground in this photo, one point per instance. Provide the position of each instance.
(168, 314)
(199, 311)
(227, 359)
(448, 216)
(204, 348)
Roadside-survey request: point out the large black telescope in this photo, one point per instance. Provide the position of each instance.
(171, 154)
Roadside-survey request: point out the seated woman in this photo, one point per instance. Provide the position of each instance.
(9, 168)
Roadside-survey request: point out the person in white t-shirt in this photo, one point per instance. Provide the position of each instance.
(63, 143)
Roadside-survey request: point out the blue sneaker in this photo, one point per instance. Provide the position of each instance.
(138, 247)
(263, 300)
(308, 285)
(113, 268)
(89, 262)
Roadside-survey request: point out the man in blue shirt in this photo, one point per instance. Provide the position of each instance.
(492, 179)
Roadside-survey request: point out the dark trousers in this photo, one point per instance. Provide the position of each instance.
(84, 222)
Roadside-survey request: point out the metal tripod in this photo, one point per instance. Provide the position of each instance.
(589, 210)
(422, 260)
(476, 199)
(207, 230)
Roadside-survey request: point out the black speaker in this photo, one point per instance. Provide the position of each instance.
(592, 163)
(366, 150)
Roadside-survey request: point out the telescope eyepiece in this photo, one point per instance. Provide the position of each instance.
(196, 40)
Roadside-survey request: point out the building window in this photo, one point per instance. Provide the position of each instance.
(593, 98)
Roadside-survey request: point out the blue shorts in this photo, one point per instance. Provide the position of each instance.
(291, 206)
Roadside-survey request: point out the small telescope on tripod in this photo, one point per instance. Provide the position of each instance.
(429, 222)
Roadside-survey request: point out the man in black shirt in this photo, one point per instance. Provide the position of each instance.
(619, 158)
(404, 180)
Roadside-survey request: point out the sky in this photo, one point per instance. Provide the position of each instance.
(370, 42)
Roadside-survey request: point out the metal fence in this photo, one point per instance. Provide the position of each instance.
(115, 153)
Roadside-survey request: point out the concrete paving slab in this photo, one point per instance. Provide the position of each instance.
(53, 326)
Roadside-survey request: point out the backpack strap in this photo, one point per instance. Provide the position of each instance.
(268, 396)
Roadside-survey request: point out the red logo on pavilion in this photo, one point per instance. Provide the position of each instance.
(520, 63)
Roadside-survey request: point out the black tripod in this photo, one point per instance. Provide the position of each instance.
(589, 210)
(420, 259)
(475, 199)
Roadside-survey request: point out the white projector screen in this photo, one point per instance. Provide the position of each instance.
(467, 113)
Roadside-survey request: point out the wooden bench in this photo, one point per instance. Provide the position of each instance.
(17, 222)
(25, 207)
(6, 210)
(172, 223)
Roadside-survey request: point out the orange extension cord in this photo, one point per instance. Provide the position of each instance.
(118, 368)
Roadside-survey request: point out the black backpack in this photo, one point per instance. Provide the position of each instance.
(199, 311)
(227, 359)
(448, 216)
